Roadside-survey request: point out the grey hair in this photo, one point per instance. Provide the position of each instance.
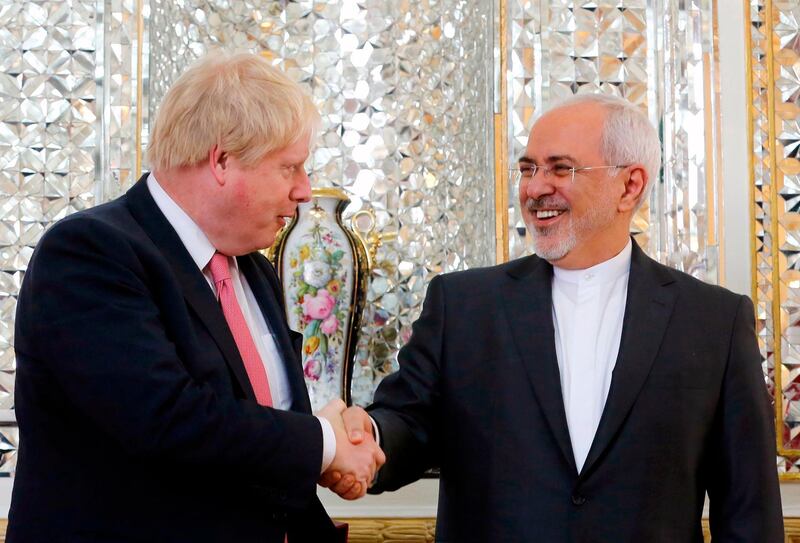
(628, 135)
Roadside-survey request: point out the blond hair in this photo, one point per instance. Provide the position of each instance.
(236, 100)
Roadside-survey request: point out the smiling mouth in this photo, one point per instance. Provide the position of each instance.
(546, 216)
(548, 213)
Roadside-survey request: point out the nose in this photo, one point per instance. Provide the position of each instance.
(301, 192)
(535, 187)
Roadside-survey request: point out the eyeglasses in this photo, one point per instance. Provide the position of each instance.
(559, 171)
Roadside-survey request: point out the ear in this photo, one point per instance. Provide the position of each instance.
(635, 183)
(218, 163)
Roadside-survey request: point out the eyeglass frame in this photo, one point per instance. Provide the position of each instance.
(550, 172)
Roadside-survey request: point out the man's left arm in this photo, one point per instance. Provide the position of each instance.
(745, 502)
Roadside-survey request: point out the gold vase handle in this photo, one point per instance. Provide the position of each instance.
(364, 225)
(363, 222)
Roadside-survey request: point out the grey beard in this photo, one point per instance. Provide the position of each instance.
(542, 245)
(547, 249)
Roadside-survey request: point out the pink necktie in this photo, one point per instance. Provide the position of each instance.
(221, 272)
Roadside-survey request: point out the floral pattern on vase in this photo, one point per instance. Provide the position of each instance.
(323, 268)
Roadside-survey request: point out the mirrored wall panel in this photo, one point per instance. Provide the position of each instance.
(410, 94)
(405, 93)
(50, 141)
(657, 53)
(773, 39)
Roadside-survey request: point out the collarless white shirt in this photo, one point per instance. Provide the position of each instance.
(201, 250)
(588, 309)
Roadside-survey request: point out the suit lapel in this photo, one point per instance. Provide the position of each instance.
(528, 306)
(647, 311)
(265, 285)
(196, 290)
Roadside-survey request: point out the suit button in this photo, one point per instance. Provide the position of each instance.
(577, 499)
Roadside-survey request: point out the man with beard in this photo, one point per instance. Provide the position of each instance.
(586, 394)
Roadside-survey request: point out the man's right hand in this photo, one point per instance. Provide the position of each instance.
(358, 456)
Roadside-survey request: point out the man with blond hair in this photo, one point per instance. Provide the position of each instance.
(159, 392)
(587, 394)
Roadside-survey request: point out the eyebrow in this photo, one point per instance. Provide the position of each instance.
(553, 158)
(294, 162)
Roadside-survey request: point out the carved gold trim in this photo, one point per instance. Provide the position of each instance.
(501, 146)
(715, 184)
(748, 45)
(774, 231)
(771, 196)
(391, 530)
(421, 530)
(777, 236)
(329, 192)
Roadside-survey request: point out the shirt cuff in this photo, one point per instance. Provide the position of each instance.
(328, 443)
(375, 432)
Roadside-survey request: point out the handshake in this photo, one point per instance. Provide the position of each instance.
(358, 456)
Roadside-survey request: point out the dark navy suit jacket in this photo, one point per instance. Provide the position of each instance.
(137, 419)
(478, 394)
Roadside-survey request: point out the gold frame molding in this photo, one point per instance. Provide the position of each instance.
(715, 180)
(421, 530)
(777, 236)
(748, 45)
(501, 143)
(774, 187)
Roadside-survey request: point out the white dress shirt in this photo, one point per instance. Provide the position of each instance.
(201, 250)
(588, 308)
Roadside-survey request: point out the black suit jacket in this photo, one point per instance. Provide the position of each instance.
(137, 419)
(478, 394)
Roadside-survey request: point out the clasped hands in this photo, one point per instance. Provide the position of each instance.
(358, 456)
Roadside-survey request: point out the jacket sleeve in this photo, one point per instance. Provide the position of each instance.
(744, 497)
(89, 325)
(406, 406)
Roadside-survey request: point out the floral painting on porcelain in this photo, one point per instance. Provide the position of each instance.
(319, 298)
